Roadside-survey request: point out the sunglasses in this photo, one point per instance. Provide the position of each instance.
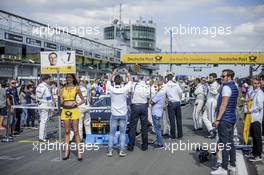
(13, 82)
(68, 77)
(223, 76)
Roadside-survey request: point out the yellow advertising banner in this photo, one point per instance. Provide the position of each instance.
(195, 58)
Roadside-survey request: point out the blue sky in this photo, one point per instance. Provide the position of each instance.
(245, 17)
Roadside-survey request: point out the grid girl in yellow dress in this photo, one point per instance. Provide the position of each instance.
(71, 112)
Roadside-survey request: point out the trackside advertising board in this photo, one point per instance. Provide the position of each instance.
(195, 58)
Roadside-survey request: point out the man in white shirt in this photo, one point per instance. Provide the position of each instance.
(139, 110)
(174, 95)
(198, 105)
(262, 88)
(257, 97)
(211, 102)
(119, 110)
(44, 99)
(225, 121)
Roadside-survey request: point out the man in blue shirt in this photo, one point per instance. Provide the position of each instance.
(225, 121)
(158, 102)
(13, 99)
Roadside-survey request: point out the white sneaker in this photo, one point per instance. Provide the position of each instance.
(43, 140)
(255, 159)
(220, 171)
(34, 128)
(109, 154)
(250, 155)
(122, 154)
(217, 165)
(231, 168)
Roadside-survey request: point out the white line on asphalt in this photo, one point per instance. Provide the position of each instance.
(10, 158)
(241, 165)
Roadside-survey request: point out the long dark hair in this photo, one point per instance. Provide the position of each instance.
(74, 82)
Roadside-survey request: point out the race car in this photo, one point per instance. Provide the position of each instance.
(100, 121)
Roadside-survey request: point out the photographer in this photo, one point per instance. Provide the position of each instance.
(119, 110)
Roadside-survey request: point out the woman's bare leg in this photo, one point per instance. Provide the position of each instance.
(77, 136)
(67, 137)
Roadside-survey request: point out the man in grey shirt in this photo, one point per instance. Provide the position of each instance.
(3, 109)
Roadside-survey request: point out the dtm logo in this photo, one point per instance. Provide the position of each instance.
(252, 58)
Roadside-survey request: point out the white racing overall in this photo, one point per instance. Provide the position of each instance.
(198, 106)
(209, 113)
(44, 98)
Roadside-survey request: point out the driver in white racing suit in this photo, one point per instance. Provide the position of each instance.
(44, 99)
(209, 112)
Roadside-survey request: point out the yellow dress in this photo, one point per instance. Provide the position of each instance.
(70, 112)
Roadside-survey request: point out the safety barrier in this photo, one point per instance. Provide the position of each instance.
(36, 106)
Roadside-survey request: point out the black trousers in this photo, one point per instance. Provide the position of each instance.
(255, 132)
(263, 125)
(226, 135)
(16, 120)
(139, 112)
(174, 111)
(31, 117)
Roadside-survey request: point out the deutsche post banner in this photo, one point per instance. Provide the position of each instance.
(195, 58)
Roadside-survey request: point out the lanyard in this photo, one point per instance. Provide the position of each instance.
(255, 94)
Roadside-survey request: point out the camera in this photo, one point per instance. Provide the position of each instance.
(203, 155)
